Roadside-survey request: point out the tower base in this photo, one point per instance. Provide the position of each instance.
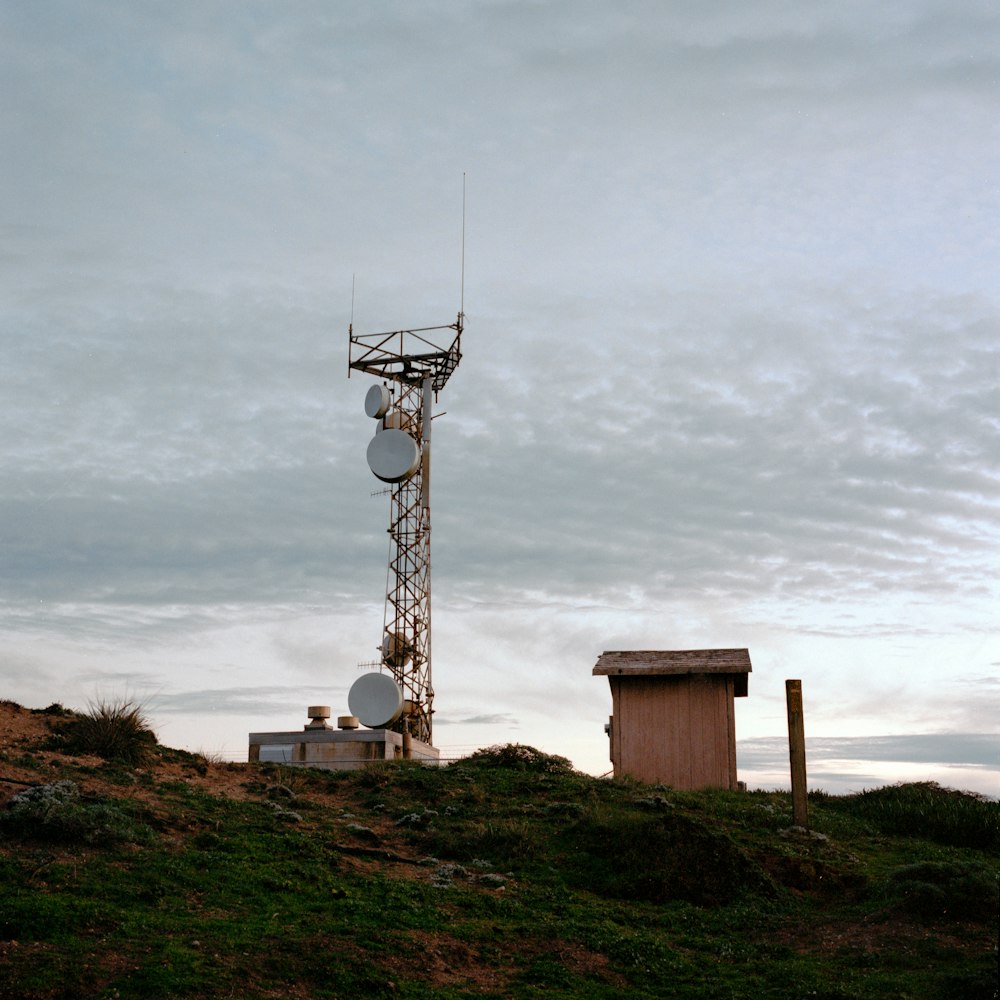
(337, 749)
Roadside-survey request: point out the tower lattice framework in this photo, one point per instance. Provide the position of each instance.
(416, 364)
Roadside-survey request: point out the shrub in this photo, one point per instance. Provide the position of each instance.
(942, 890)
(57, 812)
(115, 730)
(661, 857)
(56, 708)
(517, 757)
(925, 809)
(506, 842)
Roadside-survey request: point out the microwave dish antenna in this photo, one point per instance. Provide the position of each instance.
(376, 700)
(412, 367)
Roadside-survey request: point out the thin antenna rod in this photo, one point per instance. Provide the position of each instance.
(354, 278)
(461, 308)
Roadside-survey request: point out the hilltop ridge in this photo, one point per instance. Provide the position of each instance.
(505, 874)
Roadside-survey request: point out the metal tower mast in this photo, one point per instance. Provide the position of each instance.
(414, 366)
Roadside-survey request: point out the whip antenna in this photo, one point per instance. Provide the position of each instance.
(461, 299)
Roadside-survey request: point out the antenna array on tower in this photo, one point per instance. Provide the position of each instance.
(417, 363)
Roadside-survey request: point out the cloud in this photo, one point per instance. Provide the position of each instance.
(845, 765)
(232, 701)
(801, 468)
(965, 749)
(863, 466)
(730, 358)
(479, 720)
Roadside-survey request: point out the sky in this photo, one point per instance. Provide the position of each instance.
(731, 372)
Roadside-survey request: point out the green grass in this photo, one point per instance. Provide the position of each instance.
(958, 819)
(504, 875)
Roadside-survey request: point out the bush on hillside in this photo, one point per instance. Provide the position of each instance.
(944, 890)
(925, 809)
(115, 730)
(518, 757)
(661, 857)
(58, 813)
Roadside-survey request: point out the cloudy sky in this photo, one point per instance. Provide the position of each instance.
(731, 372)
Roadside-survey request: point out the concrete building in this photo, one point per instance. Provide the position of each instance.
(346, 748)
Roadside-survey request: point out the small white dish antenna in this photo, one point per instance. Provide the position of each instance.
(393, 456)
(376, 699)
(396, 652)
(377, 401)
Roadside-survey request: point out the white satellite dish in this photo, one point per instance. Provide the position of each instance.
(376, 699)
(396, 651)
(377, 401)
(393, 456)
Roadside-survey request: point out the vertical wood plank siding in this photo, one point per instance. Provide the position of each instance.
(673, 723)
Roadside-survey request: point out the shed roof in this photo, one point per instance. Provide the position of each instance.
(651, 662)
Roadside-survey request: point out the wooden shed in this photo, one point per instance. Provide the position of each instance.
(673, 718)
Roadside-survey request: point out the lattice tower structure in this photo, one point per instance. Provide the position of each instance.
(406, 644)
(418, 362)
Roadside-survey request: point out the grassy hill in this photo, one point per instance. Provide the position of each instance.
(133, 870)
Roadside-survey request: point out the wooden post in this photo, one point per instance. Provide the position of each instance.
(797, 753)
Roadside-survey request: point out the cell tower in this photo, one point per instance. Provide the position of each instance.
(413, 367)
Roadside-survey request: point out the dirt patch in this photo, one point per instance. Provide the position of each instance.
(21, 726)
(448, 961)
(25, 733)
(876, 936)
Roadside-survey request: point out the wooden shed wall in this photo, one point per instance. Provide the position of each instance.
(675, 730)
